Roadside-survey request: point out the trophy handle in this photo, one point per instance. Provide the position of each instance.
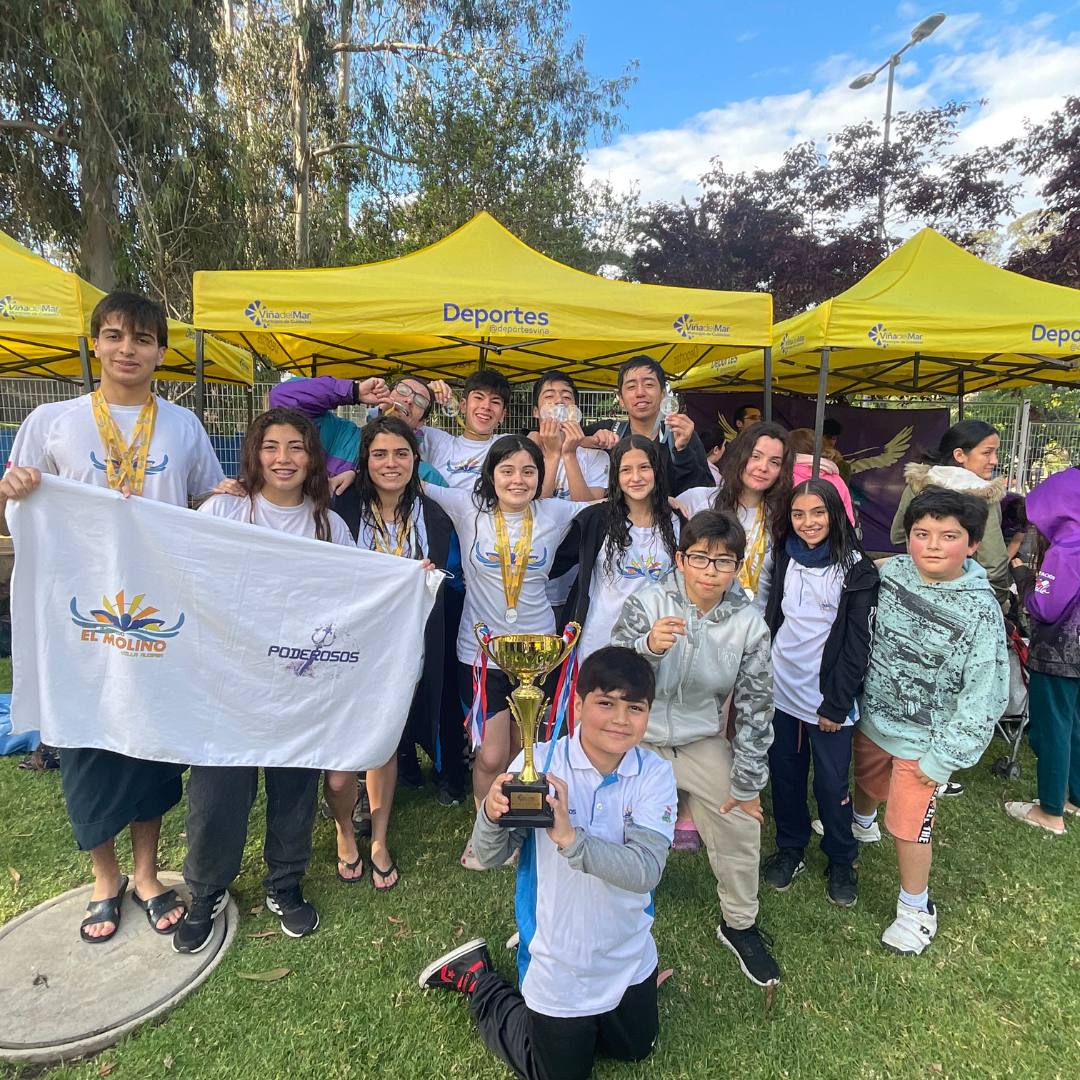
(479, 628)
(567, 645)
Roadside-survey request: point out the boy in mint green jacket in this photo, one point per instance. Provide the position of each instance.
(937, 683)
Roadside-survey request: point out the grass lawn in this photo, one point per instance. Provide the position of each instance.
(997, 995)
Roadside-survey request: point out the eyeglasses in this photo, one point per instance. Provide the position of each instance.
(403, 393)
(724, 564)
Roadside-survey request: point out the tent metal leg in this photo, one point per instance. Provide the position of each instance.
(960, 396)
(767, 357)
(819, 412)
(84, 361)
(200, 376)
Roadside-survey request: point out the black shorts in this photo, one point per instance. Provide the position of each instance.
(105, 792)
(499, 686)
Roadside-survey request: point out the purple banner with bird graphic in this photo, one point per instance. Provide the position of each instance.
(875, 443)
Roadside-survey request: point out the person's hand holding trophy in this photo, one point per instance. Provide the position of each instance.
(526, 658)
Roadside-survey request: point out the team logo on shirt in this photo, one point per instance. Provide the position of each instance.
(470, 466)
(126, 625)
(303, 662)
(152, 466)
(491, 558)
(668, 816)
(644, 567)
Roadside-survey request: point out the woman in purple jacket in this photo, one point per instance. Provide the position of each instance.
(1052, 595)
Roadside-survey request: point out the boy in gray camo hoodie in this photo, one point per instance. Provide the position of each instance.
(708, 644)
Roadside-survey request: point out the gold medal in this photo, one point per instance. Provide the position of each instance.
(381, 534)
(513, 566)
(125, 466)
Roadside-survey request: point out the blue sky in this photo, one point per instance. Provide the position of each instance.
(742, 81)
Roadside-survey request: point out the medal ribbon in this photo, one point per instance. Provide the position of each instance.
(125, 465)
(513, 567)
(750, 571)
(476, 717)
(562, 705)
(381, 534)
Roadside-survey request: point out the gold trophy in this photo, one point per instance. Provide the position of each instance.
(526, 657)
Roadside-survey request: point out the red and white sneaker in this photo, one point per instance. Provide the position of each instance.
(457, 970)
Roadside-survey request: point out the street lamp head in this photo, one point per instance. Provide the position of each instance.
(927, 26)
(863, 80)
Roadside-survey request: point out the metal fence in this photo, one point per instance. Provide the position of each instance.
(1030, 449)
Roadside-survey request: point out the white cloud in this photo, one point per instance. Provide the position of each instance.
(1021, 72)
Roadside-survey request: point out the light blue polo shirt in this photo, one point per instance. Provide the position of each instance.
(583, 941)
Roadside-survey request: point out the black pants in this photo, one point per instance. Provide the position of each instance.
(539, 1047)
(219, 802)
(450, 767)
(794, 743)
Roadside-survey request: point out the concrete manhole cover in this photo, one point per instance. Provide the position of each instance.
(62, 998)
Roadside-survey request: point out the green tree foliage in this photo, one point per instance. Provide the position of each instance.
(1051, 151)
(807, 229)
(144, 141)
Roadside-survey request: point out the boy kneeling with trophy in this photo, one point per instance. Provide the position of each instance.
(587, 961)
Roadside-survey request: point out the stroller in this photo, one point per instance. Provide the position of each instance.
(1015, 719)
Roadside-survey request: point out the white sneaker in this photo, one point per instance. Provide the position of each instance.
(912, 931)
(871, 834)
(513, 941)
(471, 862)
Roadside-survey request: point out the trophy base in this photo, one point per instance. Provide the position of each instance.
(528, 805)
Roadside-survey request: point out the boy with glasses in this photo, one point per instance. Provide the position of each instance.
(706, 643)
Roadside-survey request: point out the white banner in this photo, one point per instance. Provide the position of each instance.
(170, 635)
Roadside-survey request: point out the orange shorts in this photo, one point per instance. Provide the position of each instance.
(910, 805)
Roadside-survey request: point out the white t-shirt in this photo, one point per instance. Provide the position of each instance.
(457, 459)
(811, 598)
(594, 466)
(583, 941)
(694, 500)
(418, 539)
(297, 520)
(646, 560)
(61, 437)
(485, 600)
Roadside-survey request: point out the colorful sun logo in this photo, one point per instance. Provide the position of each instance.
(126, 617)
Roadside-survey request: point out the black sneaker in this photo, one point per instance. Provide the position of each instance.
(458, 969)
(842, 884)
(298, 917)
(448, 795)
(751, 949)
(194, 930)
(361, 815)
(783, 867)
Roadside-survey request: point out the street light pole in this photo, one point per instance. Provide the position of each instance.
(920, 33)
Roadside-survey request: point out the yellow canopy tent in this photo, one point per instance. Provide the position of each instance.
(45, 327)
(931, 318)
(479, 296)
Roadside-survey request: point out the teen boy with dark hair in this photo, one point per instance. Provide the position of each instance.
(641, 386)
(458, 458)
(571, 471)
(937, 683)
(586, 958)
(124, 437)
(706, 642)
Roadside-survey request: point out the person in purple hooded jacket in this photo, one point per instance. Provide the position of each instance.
(1052, 596)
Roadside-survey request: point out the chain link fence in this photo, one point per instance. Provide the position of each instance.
(1030, 450)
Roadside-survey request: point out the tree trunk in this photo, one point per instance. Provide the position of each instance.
(98, 197)
(344, 78)
(301, 153)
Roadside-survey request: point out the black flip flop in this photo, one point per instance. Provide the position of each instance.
(383, 875)
(103, 911)
(351, 866)
(157, 907)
